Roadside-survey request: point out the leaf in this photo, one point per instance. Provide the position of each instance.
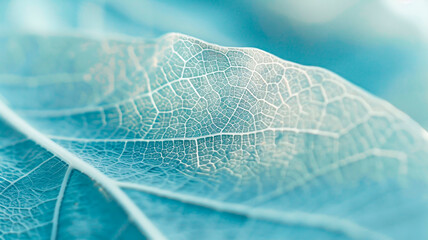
(177, 138)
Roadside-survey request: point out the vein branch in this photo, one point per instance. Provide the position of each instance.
(58, 204)
(140, 219)
(329, 223)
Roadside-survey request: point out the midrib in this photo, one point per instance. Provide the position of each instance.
(136, 215)
(325, 222)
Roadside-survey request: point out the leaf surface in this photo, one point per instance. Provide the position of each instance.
(177, 138)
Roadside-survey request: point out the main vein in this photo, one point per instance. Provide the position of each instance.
(141, 220)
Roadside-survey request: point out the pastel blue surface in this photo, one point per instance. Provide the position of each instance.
(366, 42)
(188, 140)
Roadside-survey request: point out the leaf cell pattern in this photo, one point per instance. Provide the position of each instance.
(177, 138)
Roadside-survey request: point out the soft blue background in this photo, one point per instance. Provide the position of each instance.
(367, 42)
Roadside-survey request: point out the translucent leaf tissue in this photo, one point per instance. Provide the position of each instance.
(177, 138)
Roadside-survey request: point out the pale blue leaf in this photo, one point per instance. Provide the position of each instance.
(180, 139)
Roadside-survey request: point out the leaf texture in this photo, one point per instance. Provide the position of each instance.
(180, 139)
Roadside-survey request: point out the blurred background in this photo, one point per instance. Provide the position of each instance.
(379, 45)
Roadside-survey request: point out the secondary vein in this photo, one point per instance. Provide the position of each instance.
(59, 202)
(141, 220)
